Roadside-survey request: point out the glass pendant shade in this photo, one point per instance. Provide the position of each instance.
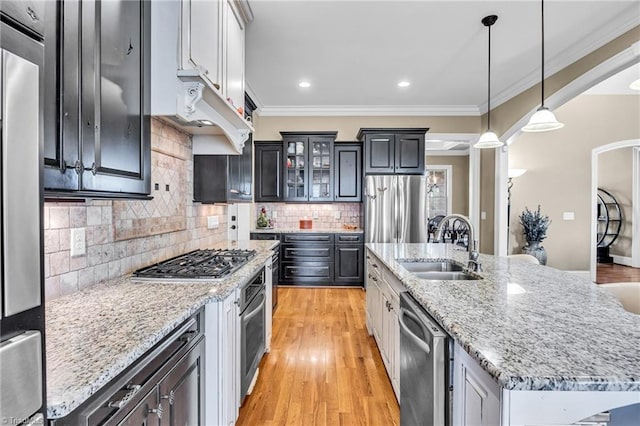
(488, 140)
(542, 121)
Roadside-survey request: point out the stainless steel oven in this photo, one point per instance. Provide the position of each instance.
(252, 329)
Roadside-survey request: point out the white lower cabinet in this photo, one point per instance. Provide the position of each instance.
(383, 305)
(268, 327)
(476, 396)
(222, 372)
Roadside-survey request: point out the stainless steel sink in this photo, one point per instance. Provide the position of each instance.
(447, 275)
(430, 266)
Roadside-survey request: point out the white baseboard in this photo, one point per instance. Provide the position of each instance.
(583, 274)
(622, 260)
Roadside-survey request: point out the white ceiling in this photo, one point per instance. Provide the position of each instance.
(355, 52)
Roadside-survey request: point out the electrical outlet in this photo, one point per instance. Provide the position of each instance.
(213, 222)
(78, 242)
(274, 214)
(568, 216)
(483, 215)
(316, 215)
(336, 215)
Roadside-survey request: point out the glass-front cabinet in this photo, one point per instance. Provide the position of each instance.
(296, 166)
(309, 166)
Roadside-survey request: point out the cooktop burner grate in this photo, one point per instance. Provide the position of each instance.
(197, 265)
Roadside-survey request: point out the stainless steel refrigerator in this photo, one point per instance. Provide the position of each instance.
(22, 383)
(396, 209)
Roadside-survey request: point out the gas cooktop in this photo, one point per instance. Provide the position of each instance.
(196, 265)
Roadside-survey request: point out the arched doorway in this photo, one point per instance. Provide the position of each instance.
(635, 191)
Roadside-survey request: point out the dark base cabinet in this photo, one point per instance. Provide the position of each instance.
(309, 259)
(163, 387)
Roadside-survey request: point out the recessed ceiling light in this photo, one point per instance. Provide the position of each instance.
(635, 85)
(404, 83)
(304, 84)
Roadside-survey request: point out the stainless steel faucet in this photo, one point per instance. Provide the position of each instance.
(472, 248)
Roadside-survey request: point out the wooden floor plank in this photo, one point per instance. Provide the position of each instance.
(614, 273)
(323, 368)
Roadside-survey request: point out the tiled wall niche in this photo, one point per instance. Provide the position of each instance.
(125, 235)
(288, 215)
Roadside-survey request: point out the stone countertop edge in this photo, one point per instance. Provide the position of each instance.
(563, 333)
(313, 230)
(95, 334)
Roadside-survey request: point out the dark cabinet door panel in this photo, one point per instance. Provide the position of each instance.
(349, 264)
(409, 154)
(348, 175)
(101, 142)
(182, 390)
(380, 154)
(268, 172)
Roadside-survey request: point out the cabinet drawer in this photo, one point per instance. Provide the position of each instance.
(261, 236)
(349, 238)
(308, 238)
(307, 272)
(308, 252)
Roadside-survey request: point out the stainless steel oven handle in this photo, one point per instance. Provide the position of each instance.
(421, 343)
(255, 312)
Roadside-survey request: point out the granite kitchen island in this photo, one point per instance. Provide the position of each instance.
(557, 347)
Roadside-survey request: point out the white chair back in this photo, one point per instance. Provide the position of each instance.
(525, 257)
(627, 293)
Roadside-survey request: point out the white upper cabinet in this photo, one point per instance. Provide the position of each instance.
(201, 38)
(212, 42)
(233, 86)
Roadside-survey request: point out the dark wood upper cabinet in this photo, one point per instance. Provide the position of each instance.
(268, 171)
(102, 144)
(308, 165)
(389, 151)
(348, 172)
(223, 178)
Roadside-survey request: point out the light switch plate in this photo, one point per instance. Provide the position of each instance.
(316, 215)
(568, 216)
(274, 214)
(78, 242)
(213, 222)
(336, 215)
(483, 215)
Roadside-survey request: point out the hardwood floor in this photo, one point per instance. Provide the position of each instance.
(323, 368)
(613, 273)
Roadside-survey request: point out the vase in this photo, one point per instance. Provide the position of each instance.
(534, 249)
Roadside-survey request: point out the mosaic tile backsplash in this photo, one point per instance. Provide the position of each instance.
(288, 215)
(125, 235)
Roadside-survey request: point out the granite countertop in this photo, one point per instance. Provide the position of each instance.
(530, 327)
(95, 334)
(318, 230)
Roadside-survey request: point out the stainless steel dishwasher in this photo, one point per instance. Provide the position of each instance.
(426, 367)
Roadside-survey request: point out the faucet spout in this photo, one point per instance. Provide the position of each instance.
(472, 248)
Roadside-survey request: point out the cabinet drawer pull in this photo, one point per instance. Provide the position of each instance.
(132, 390)
(157, 411)
(171, 397)
(374, 265)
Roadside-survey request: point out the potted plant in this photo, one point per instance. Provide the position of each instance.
(535, 226)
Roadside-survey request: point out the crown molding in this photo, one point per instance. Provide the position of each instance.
(367, 110)
(448, 153)
(598, 38)
(254, 96)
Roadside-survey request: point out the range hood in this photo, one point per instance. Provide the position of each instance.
(185, 97)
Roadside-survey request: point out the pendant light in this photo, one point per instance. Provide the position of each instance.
(488, 139)
(543, 119)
